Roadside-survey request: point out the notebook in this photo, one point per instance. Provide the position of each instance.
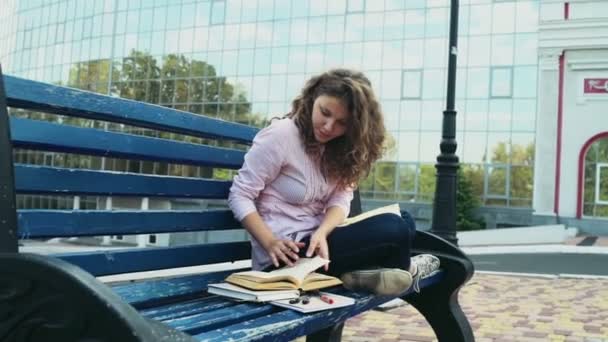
(315, 303)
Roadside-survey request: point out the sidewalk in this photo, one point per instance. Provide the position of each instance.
(592, 241)
(507, 309)
(510, 307)
(538, 239)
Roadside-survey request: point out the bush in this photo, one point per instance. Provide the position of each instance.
(466, 203)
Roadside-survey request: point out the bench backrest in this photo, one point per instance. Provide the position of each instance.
(56, 137)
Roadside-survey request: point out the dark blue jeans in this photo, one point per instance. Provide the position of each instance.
(380, 241)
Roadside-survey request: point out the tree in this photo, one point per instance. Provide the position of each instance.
(426, 183)
(522, 173)
(597, 153)
(384, 182)
(466, 202)
(176, 82)
(519, 165)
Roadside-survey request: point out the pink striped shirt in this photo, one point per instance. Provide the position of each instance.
(285, 186)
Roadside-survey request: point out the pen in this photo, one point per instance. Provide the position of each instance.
(326, 299)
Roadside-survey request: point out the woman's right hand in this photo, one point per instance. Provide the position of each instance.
(283, 250)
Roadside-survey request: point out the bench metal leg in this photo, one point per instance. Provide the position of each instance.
(331, 334)
(445, 317)
(439, 304)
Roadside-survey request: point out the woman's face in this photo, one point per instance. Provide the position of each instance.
(329, 118)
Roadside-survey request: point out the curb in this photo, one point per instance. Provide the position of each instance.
(533, 249)
(545, 276)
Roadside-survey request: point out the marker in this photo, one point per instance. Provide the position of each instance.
(326, 299)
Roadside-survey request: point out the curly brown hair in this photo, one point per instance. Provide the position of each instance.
(348, 158)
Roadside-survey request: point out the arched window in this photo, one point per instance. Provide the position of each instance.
(595, 191)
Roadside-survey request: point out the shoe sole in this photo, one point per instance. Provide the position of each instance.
(385, 282)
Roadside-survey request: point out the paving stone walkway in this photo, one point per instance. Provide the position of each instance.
(505, 309)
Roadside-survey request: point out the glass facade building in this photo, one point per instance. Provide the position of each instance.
(245, 60)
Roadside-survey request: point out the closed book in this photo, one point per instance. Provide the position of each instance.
(237, 292)
(301, 276)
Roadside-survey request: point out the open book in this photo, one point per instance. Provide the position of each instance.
(300, 276)
(390, 209)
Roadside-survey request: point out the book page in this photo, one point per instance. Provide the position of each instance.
(391, 209)
(254, 284)
(261, 277)
(286, 277)
(316, 281)
(301, 268)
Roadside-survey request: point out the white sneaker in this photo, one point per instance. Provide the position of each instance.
(423, 266)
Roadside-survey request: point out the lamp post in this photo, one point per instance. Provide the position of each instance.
(444, 204)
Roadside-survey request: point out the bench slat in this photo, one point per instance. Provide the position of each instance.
(68, 223)
(182, 309)
(148, 259)
(48, 98)
(30, 179)
(41, 135)
(287, 324)
(214, 319)
(153, 293)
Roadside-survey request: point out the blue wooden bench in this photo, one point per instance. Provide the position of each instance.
(59, 298)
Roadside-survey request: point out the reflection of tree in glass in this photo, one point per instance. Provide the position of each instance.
(176, 82)
(597, 153)
(519, 163)
(466, 202)
(427, 180)
(384, 184)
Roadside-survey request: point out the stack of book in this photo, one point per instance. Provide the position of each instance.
(294, 287)
(285, 283)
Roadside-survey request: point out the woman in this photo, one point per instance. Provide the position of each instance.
(297, 182)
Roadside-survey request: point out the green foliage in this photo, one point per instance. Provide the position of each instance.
(176, 81)
(427, 181)
(385, 178)
(466, 203)
(597, 154)
(407, 178)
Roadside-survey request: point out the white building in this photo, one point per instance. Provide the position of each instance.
(571, 176)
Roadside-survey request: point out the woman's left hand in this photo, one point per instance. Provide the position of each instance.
(318, 245)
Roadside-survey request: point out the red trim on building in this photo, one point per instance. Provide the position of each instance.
(558, 153)
(581, 172)
(566, 10)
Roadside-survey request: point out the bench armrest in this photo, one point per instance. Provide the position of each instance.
(48, 299)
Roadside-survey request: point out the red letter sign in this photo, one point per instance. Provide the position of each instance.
(596, 85)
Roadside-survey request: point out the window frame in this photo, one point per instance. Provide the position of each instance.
(420, 72)
(348, 10)
(212, 9)
(486, 181)
(511, 74)
(598, 170)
